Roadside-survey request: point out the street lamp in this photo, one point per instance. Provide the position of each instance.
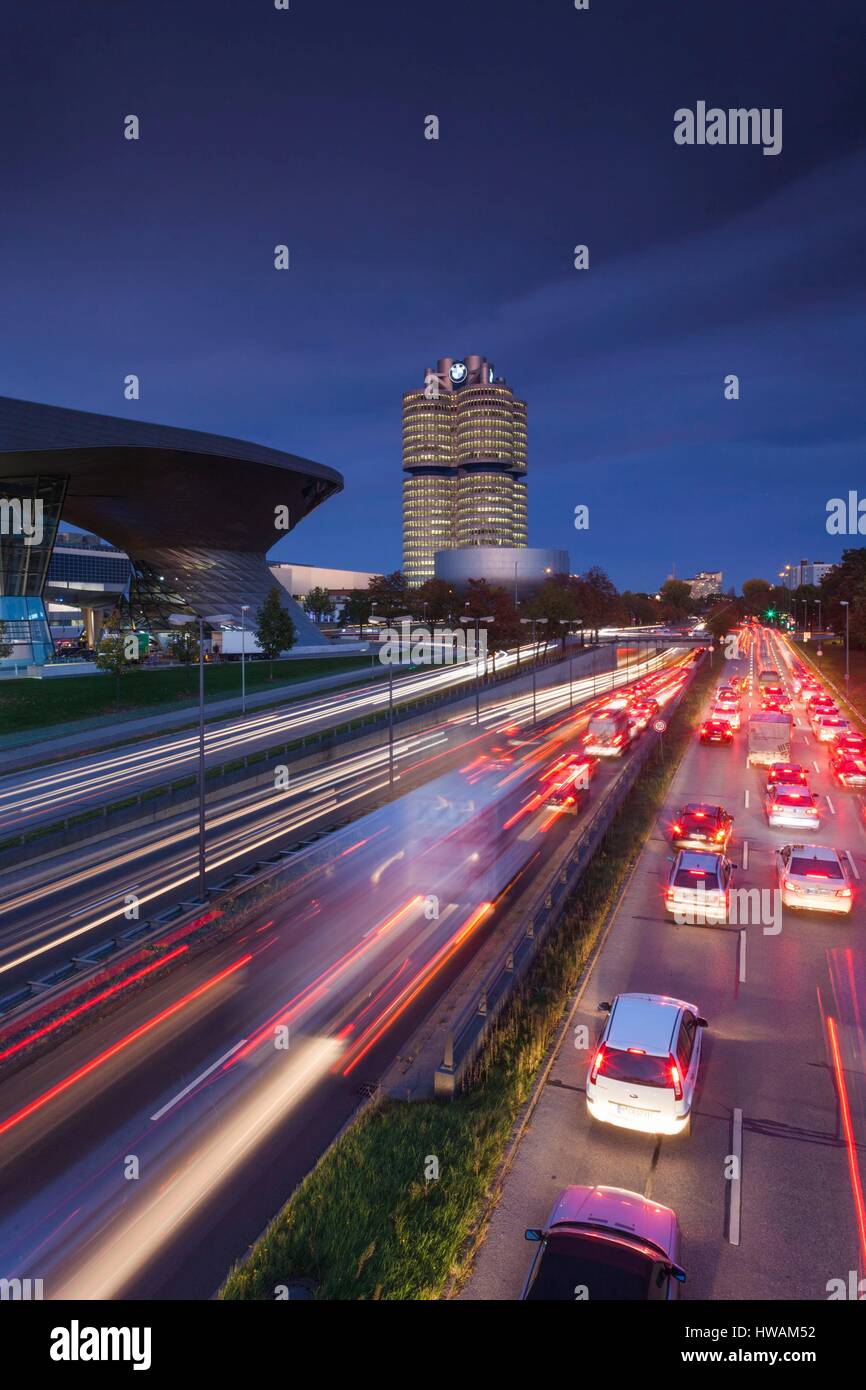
(534, 621)
(571, 670)
(845, 605)
(183, 620)
(244, 610)
(466, 618)
(402, 619)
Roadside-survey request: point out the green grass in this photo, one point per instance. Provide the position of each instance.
(832, 665)
(32, 704)
(364, 1224)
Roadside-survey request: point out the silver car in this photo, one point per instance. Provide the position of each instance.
(605, 1244)
(792, 806)
(815, 878)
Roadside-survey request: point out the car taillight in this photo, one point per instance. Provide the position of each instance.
(678, 830)
(676, 1079)
(596, 1064)
(792, 887)
(843, 892)
(720, 834)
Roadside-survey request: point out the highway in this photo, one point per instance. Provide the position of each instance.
(50, 909)
(142, 1157)
(783, 1085)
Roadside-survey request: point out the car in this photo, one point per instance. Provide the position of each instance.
(816, 712)
(643, 710)
(792, 806)
(849, 742)
(820, 704)
(700, 825)
(716, 731)
(698, 886)
(727, 692)
(828, 727)
(609, 733)
(644, 1071)
(727, 709)
(605, 1244)
(848, 769)
(568, 782)
(781, 703)
(787, 775)
(815, 878)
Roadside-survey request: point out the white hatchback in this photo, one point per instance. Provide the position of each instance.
(814, 878)
(792, 806)
(644, 1070)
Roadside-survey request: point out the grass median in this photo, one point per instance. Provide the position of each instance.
(364, 1223)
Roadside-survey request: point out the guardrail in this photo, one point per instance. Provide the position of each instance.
(468, 1034)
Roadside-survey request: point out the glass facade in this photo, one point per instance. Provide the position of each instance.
(464, 454)
(29, 515)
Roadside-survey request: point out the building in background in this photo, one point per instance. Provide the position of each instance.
(196, 514)
(464, 464)
(298, 580)
(86, 578)
(517, 569)
(705, 583)
(805, 572)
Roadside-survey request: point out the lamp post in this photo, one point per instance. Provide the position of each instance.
(818, 601)
(845, 604)
(391, 709)
(466, 618)
(244, 611)
(534, 621)
(571, 670)
(183, 620)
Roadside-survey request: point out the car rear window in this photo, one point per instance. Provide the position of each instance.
(636, 1067)
(790, 798)
(819, 868)
(693, 878)
(607, 1269)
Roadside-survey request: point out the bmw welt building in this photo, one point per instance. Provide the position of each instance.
(196, 514)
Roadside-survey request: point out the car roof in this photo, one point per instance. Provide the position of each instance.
(820, 852)
(644, 1020)
(706, 806)
(698, 859)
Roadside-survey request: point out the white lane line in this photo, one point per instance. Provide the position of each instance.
(745, 854)
(830, 807)
(186, 1090)
(815, 765)
(855, 871)
(736, 1179)
(746, 799)
(742, 957)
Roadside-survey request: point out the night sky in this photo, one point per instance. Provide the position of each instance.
(307, 127)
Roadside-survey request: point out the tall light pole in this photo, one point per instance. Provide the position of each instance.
(391, 708)
(818, 601)
(244, 611)
(571, 671)
(534, 621)
(183, 620)
(845, 604)
(466, 618)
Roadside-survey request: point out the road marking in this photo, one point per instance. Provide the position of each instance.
(830, 807)
(745, 854)
(736, 1195)
(855, 871)
(742, 957)
(815, 765)
(186, 1090)
(746, 799)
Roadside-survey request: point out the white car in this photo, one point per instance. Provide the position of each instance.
(644, 1070)
(792, 806)
(727, 709)
(815, 878)
(829, 726)
(698, 886)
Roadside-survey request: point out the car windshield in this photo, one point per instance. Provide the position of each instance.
(816, 868)
(605, 1269)
(623, 1064)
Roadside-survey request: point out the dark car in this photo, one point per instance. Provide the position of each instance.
(716, 731)
(608, 1244)
(700, 825)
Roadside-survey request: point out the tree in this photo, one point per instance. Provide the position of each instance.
(357, 609)
(183, 645)
(641, 609)
(390, 595)
(598, 602)
(676, 599)
(115, 656)
(319, 603)
(757, 596)
(434, 601)
(724, 616)
(557, 603)
(275, 630)
(485, 600)
(5, 646)
(847, 580)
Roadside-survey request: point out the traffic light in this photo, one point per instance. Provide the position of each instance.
(771, 612)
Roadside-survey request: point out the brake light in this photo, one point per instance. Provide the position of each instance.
(676, 1079)
(720, 834)
(640, 1051)
(678, 830)
(843, 893)
(792, 887)
(596, 1064)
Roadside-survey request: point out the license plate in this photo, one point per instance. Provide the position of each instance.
(633, 1110)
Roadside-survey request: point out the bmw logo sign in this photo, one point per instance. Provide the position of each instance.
(457, 372)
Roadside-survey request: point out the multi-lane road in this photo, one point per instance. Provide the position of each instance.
(141, 1157)
(769, 1186)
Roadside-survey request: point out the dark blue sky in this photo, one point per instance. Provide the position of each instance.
(306, 127)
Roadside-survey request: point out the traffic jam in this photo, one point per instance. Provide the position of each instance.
(645, 1067)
